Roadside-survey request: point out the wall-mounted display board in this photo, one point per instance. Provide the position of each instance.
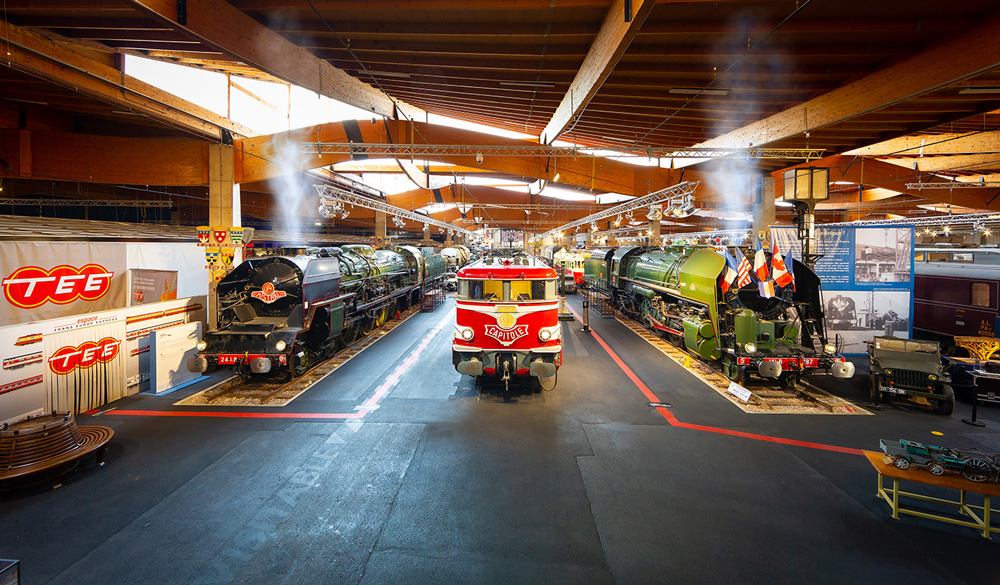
(82, 362)
(867, 278)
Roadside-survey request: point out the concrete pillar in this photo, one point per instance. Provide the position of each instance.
(380, 232)
(223, 209)
(763, 206)
(427, 235)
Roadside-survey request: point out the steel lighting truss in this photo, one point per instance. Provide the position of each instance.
(678, 197)
(89, 202)
(334, 198)
(955, 185)
(483, 150)
(952, 220)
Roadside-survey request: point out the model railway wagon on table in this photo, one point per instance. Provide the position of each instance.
(507, 321)
(973, 464)
(287, 313)
(678, 293)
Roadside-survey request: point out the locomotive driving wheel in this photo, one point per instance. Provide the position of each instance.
(976, 469)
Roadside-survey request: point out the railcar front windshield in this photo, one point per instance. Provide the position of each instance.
(506, 291)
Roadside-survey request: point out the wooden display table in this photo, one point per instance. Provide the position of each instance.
(883, 465)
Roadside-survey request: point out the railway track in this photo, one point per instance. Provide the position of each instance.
(237, 391)
(803, 398)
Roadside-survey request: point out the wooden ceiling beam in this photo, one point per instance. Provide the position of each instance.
(58, 63)
(949, 143)
(958, 163)
(230, 30)
(620, 25)
(956, 59)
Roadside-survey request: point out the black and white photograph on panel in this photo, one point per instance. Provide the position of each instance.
(882, 254)
(858, 316)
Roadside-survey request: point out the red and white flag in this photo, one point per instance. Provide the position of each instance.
(779, 274)
(743, 273)
(760, 263)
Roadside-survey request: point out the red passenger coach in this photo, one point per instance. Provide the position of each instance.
(507, 323)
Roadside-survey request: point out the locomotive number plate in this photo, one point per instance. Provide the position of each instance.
(228, 360)
(506, 308)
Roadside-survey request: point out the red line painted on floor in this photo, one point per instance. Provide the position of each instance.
(674, 422)
(382, 390)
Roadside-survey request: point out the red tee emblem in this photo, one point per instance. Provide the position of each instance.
(68, 358)
(31, 286)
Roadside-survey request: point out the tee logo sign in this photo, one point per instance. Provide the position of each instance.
(68, 358)
(267, 293)
(31, 286)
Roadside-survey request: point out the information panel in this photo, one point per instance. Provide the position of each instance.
(867, 277)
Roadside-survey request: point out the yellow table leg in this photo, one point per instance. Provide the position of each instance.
(895, 498)
(986, 515)
(961, 502)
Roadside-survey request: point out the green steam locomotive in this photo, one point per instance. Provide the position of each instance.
(678, 293)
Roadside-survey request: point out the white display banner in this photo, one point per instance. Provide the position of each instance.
(169, 351)
(187, 259)
(46, 280)
(82, 362)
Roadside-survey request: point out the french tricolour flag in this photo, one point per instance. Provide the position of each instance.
(760, 263)
(730, 274)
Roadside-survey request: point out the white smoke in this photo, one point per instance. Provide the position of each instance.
(759, 73)
(293, 192)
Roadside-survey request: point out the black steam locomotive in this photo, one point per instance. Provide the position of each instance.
(287, 313)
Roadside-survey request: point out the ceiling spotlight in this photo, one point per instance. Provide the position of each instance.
(947, 229)
(618, 220)
(324, 211)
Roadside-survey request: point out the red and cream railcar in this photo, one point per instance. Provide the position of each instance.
(507, 323)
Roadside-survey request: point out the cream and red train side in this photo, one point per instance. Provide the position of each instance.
(507, 322)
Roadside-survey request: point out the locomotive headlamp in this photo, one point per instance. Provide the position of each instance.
(830, 348)
(545, 335)
(750, 347)
(932, 376)
(201, 346)
(468, 333)
(280, 346)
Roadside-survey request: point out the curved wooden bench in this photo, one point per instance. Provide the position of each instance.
(50, 443)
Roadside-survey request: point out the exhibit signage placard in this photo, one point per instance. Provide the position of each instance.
(867, 277)
(151, 286)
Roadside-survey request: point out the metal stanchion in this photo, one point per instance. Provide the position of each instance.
(975, 402)
(586, 316)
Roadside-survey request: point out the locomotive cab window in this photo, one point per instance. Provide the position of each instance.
(532, 290)
(480, 290)
(980, 294)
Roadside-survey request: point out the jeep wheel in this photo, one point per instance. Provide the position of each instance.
(901, 463)
(875, 389)
(945, 405)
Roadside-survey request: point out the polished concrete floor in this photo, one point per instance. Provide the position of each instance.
(393, 470)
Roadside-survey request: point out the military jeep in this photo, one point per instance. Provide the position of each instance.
(909, 368)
